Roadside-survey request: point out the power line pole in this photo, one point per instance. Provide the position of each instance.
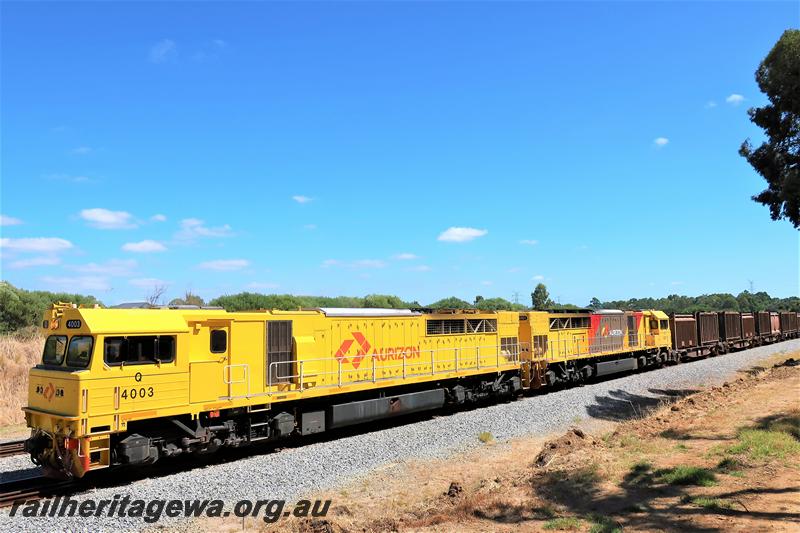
(750, 281)
(516, 298)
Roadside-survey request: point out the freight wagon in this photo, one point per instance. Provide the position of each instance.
(788, 323)
(748, 328)
(768, 327)
(696, 335)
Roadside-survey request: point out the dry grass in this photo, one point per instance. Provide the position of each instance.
(18, 353)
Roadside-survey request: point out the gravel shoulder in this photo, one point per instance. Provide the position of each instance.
(299, 472)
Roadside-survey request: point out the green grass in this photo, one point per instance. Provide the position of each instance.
(603, 524)
(640, 472)
(764, 444)
(628, 441)
(681, 447)
(485, 437)
(712, 504)
(686, 475)
(588, 475)
(545, 511)
(563, 524)
(788, 423)
(729, 465)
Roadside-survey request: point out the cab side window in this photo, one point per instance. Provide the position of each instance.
(664, 324)
(139, 349)
(219, 341)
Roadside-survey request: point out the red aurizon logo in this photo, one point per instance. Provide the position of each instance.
(49, 391)
(378, 354)
(363, 349)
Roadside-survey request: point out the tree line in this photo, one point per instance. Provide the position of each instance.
(20, 308)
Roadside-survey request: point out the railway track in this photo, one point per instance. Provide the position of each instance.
(14, 447)
(32, 488)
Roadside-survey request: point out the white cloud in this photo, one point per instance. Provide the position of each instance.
(512, 270)
(36, 244)
(6, 220)
(36, 261)
(660, 142)
(458, 234)
(300, 199)
(225, 264)
(529, 242)
(538, 277)
(261, 285)
(100, 218)
(147, 283)
(193, 229)
(487, 283)
(81, 283)
(158, 218)
(81, 150)
(310, 226)
(676, 283)
(735, 99)
(330, 262)
(420, 268)
(112, 267)
(406, 256)
(145, 246)
(163, 51)
(711, 104)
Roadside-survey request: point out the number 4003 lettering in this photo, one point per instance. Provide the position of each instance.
(134, 393)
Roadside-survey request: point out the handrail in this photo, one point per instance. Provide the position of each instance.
(510, 352)
(578, 346)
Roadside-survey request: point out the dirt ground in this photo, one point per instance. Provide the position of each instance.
(723, 459)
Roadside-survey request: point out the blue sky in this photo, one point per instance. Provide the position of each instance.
(418, 149)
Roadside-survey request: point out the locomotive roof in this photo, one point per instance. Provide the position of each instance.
(365, 311)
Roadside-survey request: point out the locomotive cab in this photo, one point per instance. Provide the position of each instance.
(90, 382)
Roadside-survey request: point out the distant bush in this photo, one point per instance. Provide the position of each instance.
(20, 308)
(675, 303)
(452, 303)
(244, 301)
